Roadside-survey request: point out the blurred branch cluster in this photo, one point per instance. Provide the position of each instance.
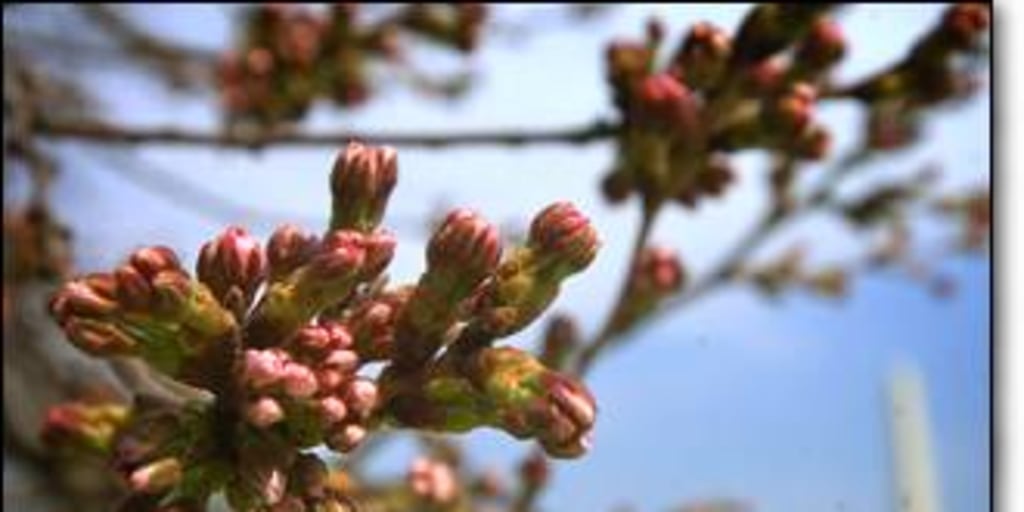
(217, 384)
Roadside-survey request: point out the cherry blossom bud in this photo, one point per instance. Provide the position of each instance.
(361, 183)
(616, 186)
(661, 101)
(380, 248)
(152, 260)
(99, 338)
(288, 248)
(264, 367)
(463, 251)
(81, 297)
(561, 338)
(963, 23)
(342, 360)
(562, 233)
(347, 438)
(814, 143)
(90, 427)
(361, 396)
(823, 46)
(535, 471)
(770, 28)
(340, 257)
(790, 113)
(157, 476)
(233, 259)
(264, 412)
(703, 57)
(299, 381)
(333, 409)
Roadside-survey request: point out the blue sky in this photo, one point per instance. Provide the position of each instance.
(779, 404)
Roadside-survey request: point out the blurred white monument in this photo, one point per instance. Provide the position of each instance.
(914, 461)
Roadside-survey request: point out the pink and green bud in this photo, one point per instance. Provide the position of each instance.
(84, 427)
(373, 323)
(563, 235)
(333, 410)
(156, 477)
(233, 264)
(361, 396)
(462, 252)
(703, 57)
(661, 102)
(264, 412)
(790, 114)
(100, 338)
(346, 438)
(289, 248)
(361, 183)
(380, 248)
(658, 274)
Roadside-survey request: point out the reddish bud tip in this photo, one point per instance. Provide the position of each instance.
(466, 247)
(823, 46)
(289, 247)
(561, 232)
(233, 259)
(361, 183)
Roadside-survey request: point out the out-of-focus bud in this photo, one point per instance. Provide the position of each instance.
(790, 114)
(823, 46)
(99, 338)
(361, 396)
(704, 55)
(433, 481)
(964, 22)
(361, 183)
(814, 143)
(380, 248)
(152, 260)
(157, 476)
(232, 261)
(890, 128)
(560, 340)
(830, 282)
(289, 248)
(616, 186)
(373, 323)
(86, 427)
(535, 471)
(763, 78)
(662, 102)
(770, 28)
(564, 234)
(299, 381)
(658, 274)
(346, 438)
(91, 296)
(264, 412)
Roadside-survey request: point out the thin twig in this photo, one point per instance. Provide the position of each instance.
(94, 131)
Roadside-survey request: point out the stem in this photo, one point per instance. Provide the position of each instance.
(102, 132)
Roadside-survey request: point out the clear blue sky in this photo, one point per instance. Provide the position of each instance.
(781, 405)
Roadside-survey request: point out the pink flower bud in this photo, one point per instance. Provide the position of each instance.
(361, 396)
(98, 337)
(288, 248)
(465, 249)
(264, 412)
(333, 409)
(299, 381)
(340, 256)
(156, 476)
(823, 46)
(233, 259)
(561, 232)
(380, 248)
(330, 379)
(259, 61)
(661, 101)
(791, 113)
(535, 471)
(134, 290)
(963, 23)
(264, 367)
(150, 261)
(703, 57)
(432, 480)
(78, 298)
(342, 360)
(347, 438)
(361, 182)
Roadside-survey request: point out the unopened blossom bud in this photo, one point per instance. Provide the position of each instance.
(704, 55)
(373, 323)
(891, 128)
(380, 248)
(264, 368)
(340, 256)
(963, 22)
(265, 411)
(814, 143)
(91, 427)
(232, 260)
(152, 260)
(561, 338)
(289, 248)
(432, 481)
(661, 101)
(823, 46)
(770, 28)
(157, 476)
(716, 176)
(361, 396)
(763, 78)
(333, 409)
(790, 113)
(99, 337)
(535, 471)
(563, 234)
(347, 438)
(92, 296)
(462, 252)
(299, 381)
(361, 183)
(616, 186)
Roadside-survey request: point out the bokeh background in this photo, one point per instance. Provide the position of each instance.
(778, 404)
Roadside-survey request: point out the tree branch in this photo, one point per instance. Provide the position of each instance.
(95, 131)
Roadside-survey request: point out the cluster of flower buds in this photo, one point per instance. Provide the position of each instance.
(717, 95)
(788, 270)
(432, 481)
(658, 274)
(148, 307)
(292, 55)
(560, 341)
(934, 72)
(84, 427)
(279, 334)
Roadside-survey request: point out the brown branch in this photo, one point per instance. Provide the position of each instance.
(94, 131)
